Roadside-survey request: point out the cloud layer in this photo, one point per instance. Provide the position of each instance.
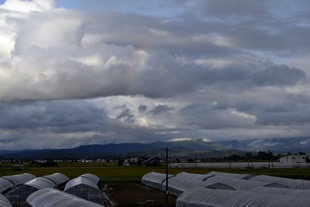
(74, 74)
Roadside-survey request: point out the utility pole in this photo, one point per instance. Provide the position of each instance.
(229, 159)
(167, 160)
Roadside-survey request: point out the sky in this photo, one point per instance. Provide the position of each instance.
(78, 72)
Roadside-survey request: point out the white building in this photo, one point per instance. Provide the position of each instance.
(293, 159)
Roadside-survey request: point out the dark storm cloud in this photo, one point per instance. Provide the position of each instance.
(142, 109)
(126, 115)
(220, 69)
(159, 33)
(283, 112)
(278, 75)
(122, 107)
(49, 115)
(87, 60)
(262, 25)
(161, 108)
(208, 116)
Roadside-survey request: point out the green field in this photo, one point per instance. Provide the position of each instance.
(125, 182)
(110, 172)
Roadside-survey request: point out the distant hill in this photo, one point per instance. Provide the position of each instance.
(176, 149)
(192, 148)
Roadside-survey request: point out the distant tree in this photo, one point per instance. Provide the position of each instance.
(235, 157)
(265, 155)
(120, 162)
(140, 161)
(248, 155)
(190, 159)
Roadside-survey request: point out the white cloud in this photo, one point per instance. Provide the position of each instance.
(28, 6)
(200, 71)
(181, 139)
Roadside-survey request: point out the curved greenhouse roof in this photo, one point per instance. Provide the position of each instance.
(202, 197)
(57, 178)
(192, 176)
(20, 179)
(40, 183)
(5, 185)
(290, 183)
(239, 176)
(19, 195)
(4, 202)
(80, 181)
(92, 177)
(282, 191)
(51, 197)
(217, 182)
(154, 179)
(85, 188)
(176, 186)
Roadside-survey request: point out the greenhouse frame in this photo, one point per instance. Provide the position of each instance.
(282, 191)
(19, 179)
(57, 178)
(50, 197)
(217, 182)
(239, 176)
(225, 189)
(192, 176)
(290, 183)
(155, 180)
(5, 185)
(85, 188)
(203, 197)
(4, 202)
(92, 177)
(177, 186)
(19, 195)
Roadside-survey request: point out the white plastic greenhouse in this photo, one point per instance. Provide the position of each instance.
(5, 185)
(84, 188)
(155, 180)
(4, 202)
(19, 179)
(92, 177)
(290, 183)
(218, 182)
(234, 175)
(192, 176)
(49, 197)
(203, 197)
(19, 195)
(57, 178)
(282, 191)
(176, 186)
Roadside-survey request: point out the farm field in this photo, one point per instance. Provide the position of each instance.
(123, 184)
(131, 194)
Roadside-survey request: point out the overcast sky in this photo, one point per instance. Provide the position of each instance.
(76, 72)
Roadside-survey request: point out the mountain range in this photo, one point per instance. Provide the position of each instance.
(188, 148)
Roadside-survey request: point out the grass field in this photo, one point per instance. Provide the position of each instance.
(110, 172)
(124, 183)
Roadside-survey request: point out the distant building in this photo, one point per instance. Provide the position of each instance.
(131, 159)
(129, 163)
(153, 161)
(293, 159)
(17, 167)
